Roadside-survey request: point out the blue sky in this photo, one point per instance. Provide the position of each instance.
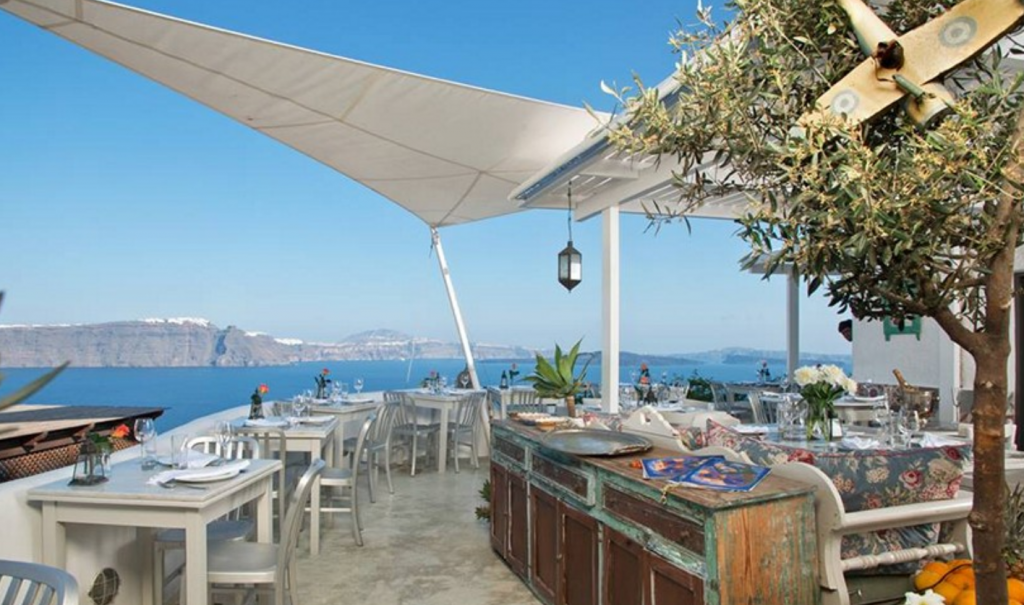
(120, 199)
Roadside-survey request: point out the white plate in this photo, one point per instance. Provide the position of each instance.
(208, 477)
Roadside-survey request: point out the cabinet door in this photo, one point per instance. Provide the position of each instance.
(518, 530)
(544, 543)
(623, 578)
(499, 509)
(577, 558)
(670, 585)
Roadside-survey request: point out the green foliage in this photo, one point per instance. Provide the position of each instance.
(484, 512)
(890, 219)
(31, 388)
(700, 388)
(559, 379)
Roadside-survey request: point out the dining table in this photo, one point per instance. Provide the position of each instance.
(445, 402)
(313, 435)
(349, 410)
(128, 499)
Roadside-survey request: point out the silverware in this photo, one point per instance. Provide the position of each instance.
(173, 484)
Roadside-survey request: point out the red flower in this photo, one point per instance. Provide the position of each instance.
(120, 431)
(953, 453)
(264, 389)
(912, 478)
(325, 371)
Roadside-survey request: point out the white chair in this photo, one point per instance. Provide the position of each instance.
(23, 583)
(652, 424)
(411, 432)
(346, 479)
(233, 527)
(263, 567)
(833, 522)
(464, 428)
(525, 400)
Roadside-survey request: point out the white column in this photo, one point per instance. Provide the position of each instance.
(610, 310)
(459, 324)
(792, 322)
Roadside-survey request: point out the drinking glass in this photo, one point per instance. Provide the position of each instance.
(145, 433)
(300, 408)
(358, 385)
(179, 450)
(223, 430)
(343, 389)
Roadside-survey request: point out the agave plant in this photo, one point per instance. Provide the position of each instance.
(29, 389)
(559, 380)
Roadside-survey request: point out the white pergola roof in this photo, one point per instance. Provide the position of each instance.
(447, 152)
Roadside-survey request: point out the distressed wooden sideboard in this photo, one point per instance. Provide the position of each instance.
(592, 531)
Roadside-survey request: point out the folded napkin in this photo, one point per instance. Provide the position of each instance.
(267, 422)
(227, 470)
(933, 440)
(751, 429)
(352, 400)
(196, 459)
(856, 442)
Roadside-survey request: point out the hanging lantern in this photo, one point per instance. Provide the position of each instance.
(570, 261)
(570, 267)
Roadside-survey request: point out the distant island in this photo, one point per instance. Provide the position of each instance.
(189, 342)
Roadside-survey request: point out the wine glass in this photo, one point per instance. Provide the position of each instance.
(223, 430)
(145, 433)
(300, 407)
(358, 384)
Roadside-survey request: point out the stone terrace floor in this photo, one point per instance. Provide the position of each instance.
(422, 546)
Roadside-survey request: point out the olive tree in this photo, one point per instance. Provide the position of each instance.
(892, 219)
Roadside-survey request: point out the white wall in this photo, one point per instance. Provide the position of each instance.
(89, 548)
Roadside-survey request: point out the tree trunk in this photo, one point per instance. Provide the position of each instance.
(986, 518)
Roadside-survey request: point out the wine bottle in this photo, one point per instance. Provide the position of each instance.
(504, 380)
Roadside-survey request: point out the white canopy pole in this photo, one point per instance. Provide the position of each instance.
(459, 324)
(610, 311)
(792, 321)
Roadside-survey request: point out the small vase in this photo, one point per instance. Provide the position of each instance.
(819, 422)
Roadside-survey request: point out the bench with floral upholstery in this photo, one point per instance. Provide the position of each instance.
(866, 480)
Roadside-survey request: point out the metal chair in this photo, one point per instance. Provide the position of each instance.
(463, 430)
(378, 442)
(23, 583)
(346, 478)
(408, 428)
(262, 567)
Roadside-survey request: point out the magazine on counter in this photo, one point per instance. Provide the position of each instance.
(672, 469)
(709, 472)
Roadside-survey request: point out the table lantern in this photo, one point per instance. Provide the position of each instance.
(89, 467)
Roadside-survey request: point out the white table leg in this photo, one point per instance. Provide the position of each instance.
(150, 583)
(265, 514)
(442, 441)
(54, 537)
(195, 560)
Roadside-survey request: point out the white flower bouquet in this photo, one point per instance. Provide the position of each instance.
(820, 386)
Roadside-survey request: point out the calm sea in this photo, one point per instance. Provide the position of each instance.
(188, 393)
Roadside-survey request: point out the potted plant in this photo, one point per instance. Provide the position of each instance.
(560, 380)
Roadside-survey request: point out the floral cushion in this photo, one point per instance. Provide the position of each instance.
(869, 479)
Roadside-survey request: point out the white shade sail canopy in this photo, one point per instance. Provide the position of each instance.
(447, 152)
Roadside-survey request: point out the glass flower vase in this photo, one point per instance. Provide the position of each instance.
(819, 419)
